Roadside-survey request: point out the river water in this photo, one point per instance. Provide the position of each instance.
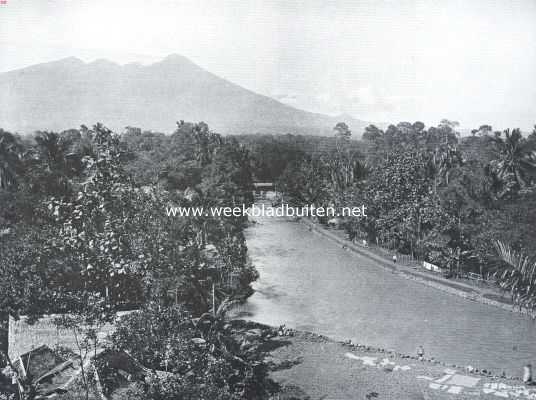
(310, 283)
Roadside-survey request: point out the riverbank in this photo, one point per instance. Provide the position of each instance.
(474, 293)
(325, 369)
(310, 283)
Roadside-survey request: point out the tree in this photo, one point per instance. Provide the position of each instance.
(515, 162)
(10, 159)
(448, 125)
(401, 208)
(107, 243)
(511, 221)
(344, 172)
(304, 183)
(24, 274)
(85, 316)
(372, 133)
(52, 148)
(483, 130)
(201, 356)
(517, 273)
(532, 138)
(445, 158)
(342, 131)
(464, 200)
(91, 224)
(52, 165)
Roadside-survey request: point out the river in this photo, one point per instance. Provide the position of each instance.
(308, 282)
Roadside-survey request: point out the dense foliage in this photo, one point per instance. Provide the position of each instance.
(271, 154)
(84, 233)
(84, 230)
(429, 192)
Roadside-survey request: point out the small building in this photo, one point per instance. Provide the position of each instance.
(51, 374)
(264, 190)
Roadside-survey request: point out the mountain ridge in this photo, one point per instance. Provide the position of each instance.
(66, 93)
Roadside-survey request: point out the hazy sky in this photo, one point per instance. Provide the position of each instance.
(469, 60)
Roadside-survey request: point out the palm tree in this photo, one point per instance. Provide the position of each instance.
(515, 164)
(52, 149)
(212, 324)
(517, 274)
(444, 159)
(10, 154)
(344, 170)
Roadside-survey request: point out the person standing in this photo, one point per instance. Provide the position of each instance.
(394, 258)
(527, 374)
(420, 353)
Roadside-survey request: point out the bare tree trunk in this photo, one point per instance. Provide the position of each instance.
(83, 355)
(4, 338)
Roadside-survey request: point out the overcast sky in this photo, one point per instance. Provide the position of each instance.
(471, 61)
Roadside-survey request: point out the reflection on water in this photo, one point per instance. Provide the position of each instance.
(310, 283)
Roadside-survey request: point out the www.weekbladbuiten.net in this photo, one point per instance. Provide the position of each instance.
(263, 210)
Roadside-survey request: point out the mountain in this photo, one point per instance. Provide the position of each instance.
(66, 93)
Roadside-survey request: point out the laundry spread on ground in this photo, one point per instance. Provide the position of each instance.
(453, 382)
(384, 363)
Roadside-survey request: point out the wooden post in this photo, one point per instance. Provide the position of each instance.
(213, 300)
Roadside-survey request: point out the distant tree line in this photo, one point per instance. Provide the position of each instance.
(270, 154)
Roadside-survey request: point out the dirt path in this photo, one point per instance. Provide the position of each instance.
(329, 370)
(486, 295)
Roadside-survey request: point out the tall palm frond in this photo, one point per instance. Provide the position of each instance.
(517, 274)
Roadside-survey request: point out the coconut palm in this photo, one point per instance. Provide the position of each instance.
(52, 149)
(344, 170)
(515, 164)
(212, 322)
(444, 159)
